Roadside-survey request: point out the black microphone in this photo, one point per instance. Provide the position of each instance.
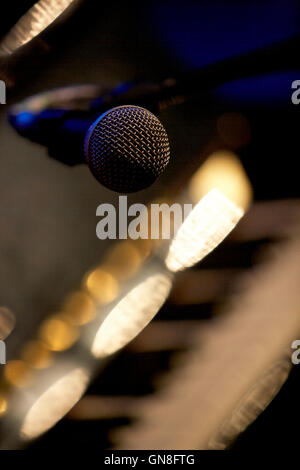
(126, 147)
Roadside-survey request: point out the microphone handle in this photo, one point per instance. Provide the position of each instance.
(63, 131)
(279, 56)
(68, 144)
(276, 57)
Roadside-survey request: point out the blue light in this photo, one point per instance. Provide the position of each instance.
(271, 89)
(201, 33)
(24, 120)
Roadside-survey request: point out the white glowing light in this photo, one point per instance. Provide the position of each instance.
(131, 314)
(54, 403)
(211, 220)
(224, 171)
(37, 18)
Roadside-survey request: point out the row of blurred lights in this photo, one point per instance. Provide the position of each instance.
(221, 191)
(60, 331)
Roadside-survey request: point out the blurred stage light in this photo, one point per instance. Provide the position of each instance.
(211, 220)
(79, 308)
(3, 406)
(37, 355)
(102, 286)
(30, 25)
(130, 316)
(252, 404)
(224, 171)
(18, 373)
(57, 334)
(123, 260)
(54, 403)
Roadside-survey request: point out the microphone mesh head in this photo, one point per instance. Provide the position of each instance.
(127, 148)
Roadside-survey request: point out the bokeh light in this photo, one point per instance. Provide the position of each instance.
(38, 18)
(57, 333)
(18, 373)
(102, 286)
(131, 314)
(54, 403)
(123, 260)
(3, 405)
(37, 355)
(79, 308)
(211, 220)
(223, 171)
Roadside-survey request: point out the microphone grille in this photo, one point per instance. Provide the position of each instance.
(127, 148)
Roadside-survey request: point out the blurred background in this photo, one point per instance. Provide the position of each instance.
(213, 369)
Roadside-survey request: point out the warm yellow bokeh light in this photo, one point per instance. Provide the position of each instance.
(102, 286)
(58, 334)
(123, 260)
(79, 308)
(18, 373)
(37, 355)
(223, 171)
(3, 405)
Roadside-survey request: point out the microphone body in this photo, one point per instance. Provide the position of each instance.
(126, 147)
(61, 131)
(65, 131)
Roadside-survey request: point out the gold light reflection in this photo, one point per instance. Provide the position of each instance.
(131, 314)
(57, 334)
(37, 355)
(224, 171)
(7, 322)
(211, 220)
(18, 373)
(79, 308)
(37, 18)
(123, 260)
(3, 405)
(54, 403)
(102, 286)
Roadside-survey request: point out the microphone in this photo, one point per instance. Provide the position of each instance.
(126, 147)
